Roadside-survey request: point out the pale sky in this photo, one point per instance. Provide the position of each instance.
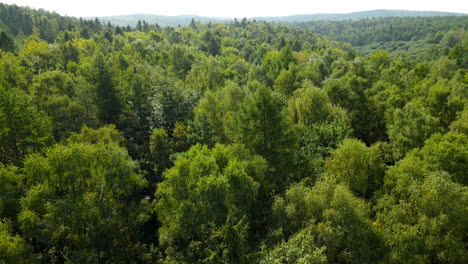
(233, 8)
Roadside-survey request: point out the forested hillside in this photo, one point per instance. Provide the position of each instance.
(419, 38)
(185, 20)
(242, 142)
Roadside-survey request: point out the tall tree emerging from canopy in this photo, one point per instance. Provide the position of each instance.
(107, 98)
(262, 126)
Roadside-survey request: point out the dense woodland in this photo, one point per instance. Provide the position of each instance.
(184, 20)
(240, 142)
(416, 38)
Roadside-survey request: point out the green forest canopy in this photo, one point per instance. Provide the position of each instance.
(241, 142)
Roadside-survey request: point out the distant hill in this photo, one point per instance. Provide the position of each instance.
(357, 15)
(183, 20)
(174, 21)
(361, 32)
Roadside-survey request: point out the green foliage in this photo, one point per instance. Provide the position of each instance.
(319, 141)
(357, 166)
(215, 115)
(104, 135)
(420, 220)
(13, 248)
(417, 212)
(461, 124)
(297, 249)
(361, 32)
(154, 104)
(310, 105)
(411, 126)
(82, 202)
(10, 192)
(38, 55)
(107, 98)
(23, 129)
(205, 203)
(12, 73)
(288, 80)
(335, 220)
(206, 75)
(52, 92)
(380, 58)
(445, 152)
(211, 43)
(6, 43)
(160, 150)
(139, 116)
(263, 127)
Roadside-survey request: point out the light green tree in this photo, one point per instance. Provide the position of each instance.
(359, 167)
(336, 222)
(82, 202)
(205, 204)
(410, 127)
(23, 129)
(13, 248)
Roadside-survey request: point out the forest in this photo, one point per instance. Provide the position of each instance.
(232, 142)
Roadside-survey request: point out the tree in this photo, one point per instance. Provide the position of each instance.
(172, 101)
(160, 149)
(38, 55)
(215, 115)
(12, 73)
(23, 129)
(309, 105)
(139, 116)
(107, 97)
(211, 43)
(10, 192)
(357, 166)
(6, 43)
(319, 141)
(410, 127)
(297, 249)
(335, 221)
(52, 92)
(205, 204)
(13, 248)
(262, 127)
(443, 103)
(380, 58)
(82, 202)
(420, 220)
(288, 80)
(274, 61)
(444, 152)
(206, 75)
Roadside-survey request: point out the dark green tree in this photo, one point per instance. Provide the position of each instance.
(107, 96)
(6, 42)
(263, 127)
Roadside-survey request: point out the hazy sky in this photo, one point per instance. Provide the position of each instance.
(233, 8)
